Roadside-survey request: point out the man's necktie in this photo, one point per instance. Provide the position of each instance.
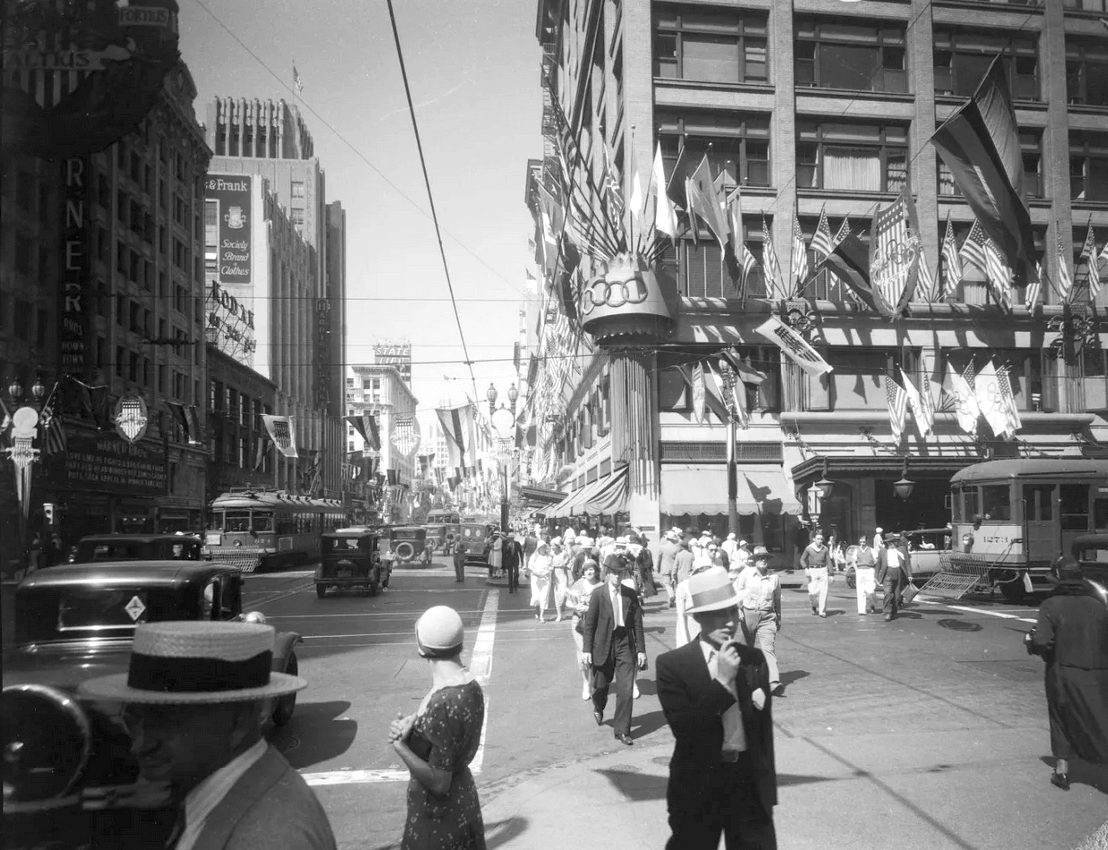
(617, 608)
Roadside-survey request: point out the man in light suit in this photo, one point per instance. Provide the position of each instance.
(715, 694)
(613, 645)
(194, 697)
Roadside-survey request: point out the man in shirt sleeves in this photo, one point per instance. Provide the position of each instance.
(613, 644)
(715, 695)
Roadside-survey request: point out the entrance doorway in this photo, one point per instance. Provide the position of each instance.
(925, 508)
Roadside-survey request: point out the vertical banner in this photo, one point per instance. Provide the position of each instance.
(232, 192)
(73, 332)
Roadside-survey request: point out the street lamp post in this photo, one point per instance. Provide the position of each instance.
(503, 421)
(24, 429)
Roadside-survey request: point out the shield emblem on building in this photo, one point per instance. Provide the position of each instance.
(130, 418)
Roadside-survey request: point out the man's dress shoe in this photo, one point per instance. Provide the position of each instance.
(598, 717)
(625, 739)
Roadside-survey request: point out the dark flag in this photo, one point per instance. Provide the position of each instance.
(980, 145)
(94, 404)
(189, 420)
(850, 262)
(371, 432)
(358, 425)
(53, 427)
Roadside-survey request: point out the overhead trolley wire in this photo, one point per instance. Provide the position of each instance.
(430, 196)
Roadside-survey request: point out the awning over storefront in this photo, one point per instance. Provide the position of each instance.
(563, 508)
(609, 497)
(539, 496)
(702, 489)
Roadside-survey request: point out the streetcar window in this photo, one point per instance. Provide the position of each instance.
(995, 503)
(286, 524)
(263, 521)
(238, 520)
(1100, 514)
(1073, 504)
(1038, 500)
(970, 504)
(215, 521)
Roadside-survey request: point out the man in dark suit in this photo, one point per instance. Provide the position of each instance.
(613, 644)
(513, 557)
(715, 695)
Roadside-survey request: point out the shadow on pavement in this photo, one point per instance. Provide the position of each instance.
(641, 787)
(644, 724)
(330, 734)
(794, 676)
(502, 831)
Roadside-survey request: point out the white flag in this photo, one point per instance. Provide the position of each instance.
(282, 433)
(991, 400)
(922, 410)
(966, 408)
(795, 347)
(665, 216)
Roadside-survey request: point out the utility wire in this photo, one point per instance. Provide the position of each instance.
(430, 197)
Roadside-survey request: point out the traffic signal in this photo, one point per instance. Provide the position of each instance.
(48, 512)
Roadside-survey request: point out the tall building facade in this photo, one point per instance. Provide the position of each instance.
(381, 390)
(102, 297)
(269, 139)
(813, 108)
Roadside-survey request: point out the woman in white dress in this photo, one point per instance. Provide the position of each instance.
(539, 567)
(560, 563)
(577, 597)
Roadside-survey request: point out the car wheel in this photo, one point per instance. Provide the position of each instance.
(405, 551)
(321, 590)
(286, 705)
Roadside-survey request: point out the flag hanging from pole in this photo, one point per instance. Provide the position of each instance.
(1000, 276)
(843, 231)
(1034, 290)
(699, 392)
(799, 256)
(952, 271)
(895, 250)
(991, 400)
(850, 262)
(704, 201)
(282, 432)
(922, 408)
(1065, 279)
(665, 215)
(371, 431)
(897, 400)
(1011, 412)
(459, 428)
(823, 243)
(296, 81)
(1088, 253)
(965, 400)
(973, 248)
(53, 427)
(769, 263)
(794, 346)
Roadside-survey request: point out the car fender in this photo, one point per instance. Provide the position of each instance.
(283, 645)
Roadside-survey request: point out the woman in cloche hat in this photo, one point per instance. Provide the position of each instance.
(438, 742)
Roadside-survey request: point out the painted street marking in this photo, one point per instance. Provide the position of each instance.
(480, 665)
(999, 614)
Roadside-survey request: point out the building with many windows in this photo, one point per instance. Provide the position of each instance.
(807, 109)
(270, 140)
(101, 297)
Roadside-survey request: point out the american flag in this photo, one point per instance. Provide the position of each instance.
(1008, 398)
(897, 400)
(1065, 279)
(769, 261)
(296, 81)
(53, 428)
(953, 263)
(800, 255)
(1034, 288)
(1088, 253)
(973, 248)
(844, 230)
(1000, 276)
(926, 283)
(822, 241)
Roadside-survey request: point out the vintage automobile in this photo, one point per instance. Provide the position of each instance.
(1091, 553)
(137, 547)
(67, 770)
(442, 530)
(351, 558)
(407, 543)
(476, 541)
(926, 546)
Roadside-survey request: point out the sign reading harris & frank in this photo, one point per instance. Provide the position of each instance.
(232, 192)
(106, 463)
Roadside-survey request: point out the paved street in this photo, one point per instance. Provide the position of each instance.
(929, 732)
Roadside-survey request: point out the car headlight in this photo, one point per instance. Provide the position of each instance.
(46, 741)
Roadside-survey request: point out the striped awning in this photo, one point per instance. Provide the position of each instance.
(609, 497)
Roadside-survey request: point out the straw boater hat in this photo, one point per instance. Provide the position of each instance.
(760, 554)
(186, 662)
(711, 590)
(439, 632)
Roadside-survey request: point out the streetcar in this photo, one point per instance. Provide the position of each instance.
(443, 527)
(268, 529)
(1012, 518)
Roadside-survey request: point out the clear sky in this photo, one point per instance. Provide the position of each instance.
(473, 66)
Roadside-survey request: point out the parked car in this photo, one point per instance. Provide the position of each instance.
(1091, 553)
(68, 772)
(926, 546)
(351, 558)
(407, 543)
(476, 541)
(137, 547)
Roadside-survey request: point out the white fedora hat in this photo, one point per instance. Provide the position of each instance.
(711, 590)
(187, 662)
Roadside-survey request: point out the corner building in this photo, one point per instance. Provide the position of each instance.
(821, 105)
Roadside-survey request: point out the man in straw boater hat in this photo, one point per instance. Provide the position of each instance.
(715, 694)
(194, 701)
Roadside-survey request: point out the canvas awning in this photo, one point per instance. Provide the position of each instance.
(609, 496)
(565, 507)
(702, 489)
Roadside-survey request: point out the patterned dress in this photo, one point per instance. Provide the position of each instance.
(452, 722)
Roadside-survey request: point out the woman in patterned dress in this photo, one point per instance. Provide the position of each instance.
(438, 742)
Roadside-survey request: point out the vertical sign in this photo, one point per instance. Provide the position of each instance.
(74, 320)
(232, 192)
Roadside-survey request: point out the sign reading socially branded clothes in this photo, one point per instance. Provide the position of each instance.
(282, 433)
(232, 192)
(794, 346)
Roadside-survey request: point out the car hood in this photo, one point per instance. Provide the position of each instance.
(63, 667)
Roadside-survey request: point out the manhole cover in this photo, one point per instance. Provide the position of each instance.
(960, 625)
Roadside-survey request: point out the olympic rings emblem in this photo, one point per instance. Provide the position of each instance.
(616, 294)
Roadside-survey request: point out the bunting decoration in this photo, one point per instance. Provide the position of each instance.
(952, 263)
(965, 399)
(799, 256)
(980, 145)
(923, 408)
(282, 432)
(897, 400)
(405, 435)
(794, 346)
(188, 418)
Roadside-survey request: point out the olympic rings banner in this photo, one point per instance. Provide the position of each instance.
(625, 300)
